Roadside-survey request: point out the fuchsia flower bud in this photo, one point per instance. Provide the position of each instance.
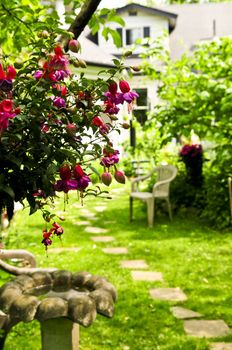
(71, 129)
(125, 126)
(65, 172)
(78, 172)
(74, 45)
(124, 86)
(120, 177)
(97, 121)
(113, 87)
(106, 178)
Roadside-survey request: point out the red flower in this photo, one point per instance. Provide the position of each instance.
(78, 172)
(97, 121)
(65, 172)
(6, 106)
(10, 74)
(124, 86)
(113, 87)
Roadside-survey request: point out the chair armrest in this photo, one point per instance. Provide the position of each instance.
(139, 179)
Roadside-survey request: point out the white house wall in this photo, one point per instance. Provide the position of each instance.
(157, 26)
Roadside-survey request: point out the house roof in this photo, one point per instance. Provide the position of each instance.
(198, 22)
(93, 55)
(151, 10)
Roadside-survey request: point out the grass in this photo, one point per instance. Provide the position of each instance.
(191, 256)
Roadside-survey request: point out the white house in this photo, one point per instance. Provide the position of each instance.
(140, 22)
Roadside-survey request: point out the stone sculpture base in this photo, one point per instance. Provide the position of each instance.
(59, 334)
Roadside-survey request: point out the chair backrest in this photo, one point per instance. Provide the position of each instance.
(165, 174)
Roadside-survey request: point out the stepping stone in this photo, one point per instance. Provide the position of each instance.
(61, 250)
(100, 208)
(205, 328)
(115, 250)
(169, 294)
(182, 313)
(81, 223)
(134, 264)
(96, 230)
(90, 216)
(221, 346)
(102, 239)
(85, 211)
(77, 205)
(146, 276)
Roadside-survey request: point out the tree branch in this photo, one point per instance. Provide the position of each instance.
(82, 19)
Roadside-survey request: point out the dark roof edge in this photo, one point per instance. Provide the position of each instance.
(152, 10)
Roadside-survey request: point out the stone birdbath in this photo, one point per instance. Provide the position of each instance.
(59, 300)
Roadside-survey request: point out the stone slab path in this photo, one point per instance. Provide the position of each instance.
(206, 328)
(182, 313)
(100, 208)
(115, 250)
(81, 223)
(96, 230)
(168, 294)
(61, 250)
(102, 239)
(146, 276)
(192, 325)
(133, 264)
(221, 346)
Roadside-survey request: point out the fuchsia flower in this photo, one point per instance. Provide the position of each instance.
(114, 98)
(109, 159)
(106, 178)
(120, 177)
(97, 121)
(68, 183)
(6, 78)
(6, 113)
(59, 102)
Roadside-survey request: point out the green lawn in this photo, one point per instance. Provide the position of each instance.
(190, 256)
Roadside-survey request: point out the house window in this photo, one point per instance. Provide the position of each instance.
(141, 106)
(129, 36)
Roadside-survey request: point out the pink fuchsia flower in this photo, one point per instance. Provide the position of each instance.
(104, 129)
(57, 229)
(120, 177)
(110, 159)
(6, 113)
(83, 182)
(38, 74)
(106, 178)
(6, 106)
(57, 61)
(62, 89)
(97, 121)
(6, 78)
(110, 107)
(59, 102)
(65, 185)
(130, 96)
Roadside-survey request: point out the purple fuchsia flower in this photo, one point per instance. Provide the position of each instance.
(38, 74)
(83, 182)
(65, 185)
(110, 159)
(59, 102)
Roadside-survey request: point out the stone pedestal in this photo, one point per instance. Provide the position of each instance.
(59, 334)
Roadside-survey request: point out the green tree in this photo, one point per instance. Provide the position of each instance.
(196, 95)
